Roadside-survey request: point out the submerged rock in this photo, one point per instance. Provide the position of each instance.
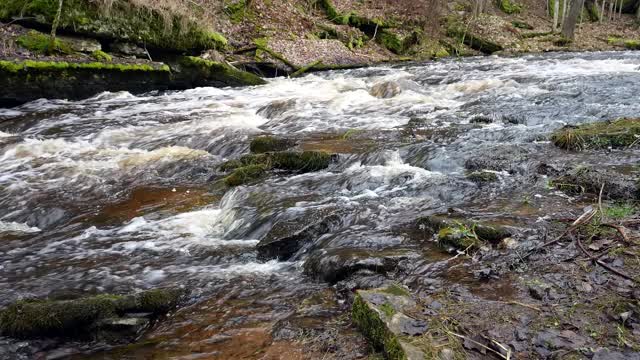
(482, 176)
(337, 264)
(81, 317)
(287, 237)
(263, 144)
(276, 108)
(385, 90)
(622, 133)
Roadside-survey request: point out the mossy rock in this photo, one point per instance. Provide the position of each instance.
(601, 135)
(475, 42)
(193, 71)
(397, 41)
(306, 161)
(459, 233)
(39, 43)
(375, 329)
(65, 318)
(482, 176)
(263, 144)
(509, 7)
(124, 21)
(245, 174)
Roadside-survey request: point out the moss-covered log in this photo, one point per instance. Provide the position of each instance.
(374, 328)
(64, 318)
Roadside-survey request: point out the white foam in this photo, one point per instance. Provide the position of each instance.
(15, 227)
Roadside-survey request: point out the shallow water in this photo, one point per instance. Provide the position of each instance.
(118, 193)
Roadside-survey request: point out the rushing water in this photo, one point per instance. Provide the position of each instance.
(117, 193)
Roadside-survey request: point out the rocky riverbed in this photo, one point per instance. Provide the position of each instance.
(454, 209)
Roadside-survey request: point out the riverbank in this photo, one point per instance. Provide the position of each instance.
(266, 39)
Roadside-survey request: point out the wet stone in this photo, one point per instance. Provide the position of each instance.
(385, 90)
(276, 108)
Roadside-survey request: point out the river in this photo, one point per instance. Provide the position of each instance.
(119, 192)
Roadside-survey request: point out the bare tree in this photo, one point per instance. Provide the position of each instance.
(602, 12)
(54, 27)
(556, 10)
(569, 24)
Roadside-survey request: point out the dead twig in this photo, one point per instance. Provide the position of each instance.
(508, 357)
(621, 230)
(605, 266)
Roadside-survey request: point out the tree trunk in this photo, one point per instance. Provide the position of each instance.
(638, 12)
(602, 12)
(611, 10)
(54, 27)
(556, 10)
(569, 25)
(564, 11)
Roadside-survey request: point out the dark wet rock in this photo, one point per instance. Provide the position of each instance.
(606, 354)
(481, 119)
(502, 158)
(553, 339)
(44, 218)
(84, 316)
(590, 180)
(337, 264)
(385, 90)
(128, 49)
(538, 292)
(287, 237)
(276, 108)
(263, 144)
(482, 176)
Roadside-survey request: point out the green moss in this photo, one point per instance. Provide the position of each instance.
(509, 7)
(39, 43)
(237, 11)
(31, 65)
(396, 290)
(601, 135)
(387, 309)
(101, 56)
(482, 176)
(352, 18)
(306, 68)
(245, 174)
(441, 53)
(31, 318)
(376, 331)
(632, 44)
(263, 144)
(460, 237)
(306, 161)
(620, 210)
(395, 42)
(214, 70)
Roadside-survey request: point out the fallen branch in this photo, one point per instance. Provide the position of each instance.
(520, 304)
(620, 230)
